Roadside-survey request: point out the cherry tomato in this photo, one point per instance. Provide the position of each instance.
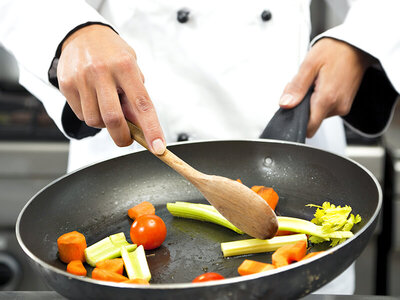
(149, 231)
(208, 277)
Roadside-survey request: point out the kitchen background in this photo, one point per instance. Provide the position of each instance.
(33, 153)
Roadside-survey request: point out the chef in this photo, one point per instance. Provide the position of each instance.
(196, 70)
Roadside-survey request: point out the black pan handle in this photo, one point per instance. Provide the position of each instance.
(290, 124)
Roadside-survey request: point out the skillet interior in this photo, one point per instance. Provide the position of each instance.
(94, 200)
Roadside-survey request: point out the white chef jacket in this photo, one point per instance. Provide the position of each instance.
(217, 76)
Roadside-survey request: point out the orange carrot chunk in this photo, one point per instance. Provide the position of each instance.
(137, 281)
(71, 246)
(256, 188)
(103, 274)
(114, 265)
(289, 253)
(309, 255)
(144, 208)
(269, 195)
(284, 232)
(239, 180)
(248, 267)
(76, 267)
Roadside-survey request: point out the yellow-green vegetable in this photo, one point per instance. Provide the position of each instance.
(333, 219)
(251, 246)
(201, 212)
(107, 248)
(136, 263)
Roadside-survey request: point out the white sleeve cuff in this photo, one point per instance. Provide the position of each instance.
(372, 26)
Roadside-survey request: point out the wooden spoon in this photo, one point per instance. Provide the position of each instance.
(235, 201)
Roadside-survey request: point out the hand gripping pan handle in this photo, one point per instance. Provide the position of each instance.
(290, 124)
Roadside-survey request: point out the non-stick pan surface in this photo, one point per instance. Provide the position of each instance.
(94, 201)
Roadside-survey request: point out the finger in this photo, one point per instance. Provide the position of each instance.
(318, 111)
(74, 101)
(295, 90)
(111, 112)
(90, 108)
(140, 110)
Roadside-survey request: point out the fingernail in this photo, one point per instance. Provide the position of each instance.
(158, 146)
(286, 99)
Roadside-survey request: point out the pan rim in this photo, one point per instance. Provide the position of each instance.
(185, 285)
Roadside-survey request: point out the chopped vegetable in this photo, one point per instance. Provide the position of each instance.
(71, 246)
(136, 263)
(248, 267)
(107, 248)
(103, 274)
(251, 246)
(114, 265)
(333, 219)
(76, 267)
(268, 194)
(303, 226)
(201, 212)
(312, 254)
(137, 281)
(210, 276)
(289, 253)
(149, 231)
(144, 208)
(284, 232)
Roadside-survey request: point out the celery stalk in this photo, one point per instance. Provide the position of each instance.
(107, 248)
(251, 246)
(303, 226)
(136, 263)
(201, 212)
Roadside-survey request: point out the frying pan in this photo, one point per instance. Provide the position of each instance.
(94, 201)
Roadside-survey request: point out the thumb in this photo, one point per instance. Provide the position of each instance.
(295, 90)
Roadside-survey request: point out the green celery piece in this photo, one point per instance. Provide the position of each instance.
(201, 212)
(251, 246)
(136, 263)
(107, 248)
(304, 226)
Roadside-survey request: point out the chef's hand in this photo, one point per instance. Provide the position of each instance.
(98, 74)
(336, 69)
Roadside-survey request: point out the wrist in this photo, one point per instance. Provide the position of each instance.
(84, 29)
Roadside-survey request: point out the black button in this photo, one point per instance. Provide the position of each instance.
(266, 15)
(183, 15)
(183, 137)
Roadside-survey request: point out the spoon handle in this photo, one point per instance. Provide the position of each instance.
(168, 157)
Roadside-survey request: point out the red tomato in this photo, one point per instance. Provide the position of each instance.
(208, 277)
(149, 231)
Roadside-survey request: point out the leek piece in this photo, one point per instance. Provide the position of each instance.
(251, 246)
(136, 263)
(201, 212)
(107, 248)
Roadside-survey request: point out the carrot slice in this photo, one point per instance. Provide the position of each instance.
(144, 208)
(269, 195)
(239, 180)
(71, 246)
(76, 267)
(248, 267)
(137, 281)
(309, 255)
(103, 274)
(256, 188)
(289, 253)
(114, 265)
(284, 232)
